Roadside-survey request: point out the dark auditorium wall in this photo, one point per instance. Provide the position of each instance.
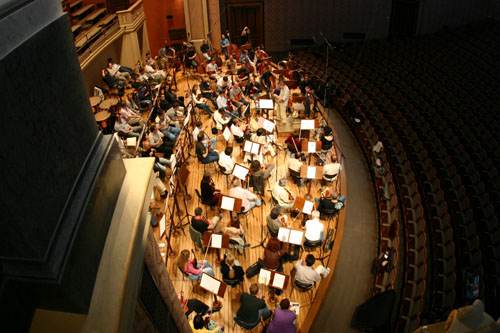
(298, 19)
(434, 15)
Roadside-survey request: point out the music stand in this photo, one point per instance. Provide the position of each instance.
(304, 206)
(216, 241)
(311, 172)
(291, 235)
(215, 286)
(231, 204)
(252, 147)
(308, 124)
(264, 104)
(273, 280)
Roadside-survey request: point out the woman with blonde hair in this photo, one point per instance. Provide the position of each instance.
(188, 267)
(231, 269)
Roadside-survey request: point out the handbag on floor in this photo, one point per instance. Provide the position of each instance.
(253, 270)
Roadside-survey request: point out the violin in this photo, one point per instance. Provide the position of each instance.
(183, 301)
(195, 261)
(290, 196)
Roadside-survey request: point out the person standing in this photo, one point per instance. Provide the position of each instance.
(282, 101)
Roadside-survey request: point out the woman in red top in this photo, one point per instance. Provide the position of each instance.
(273, 254)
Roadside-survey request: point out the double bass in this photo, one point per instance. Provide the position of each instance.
(232, 48)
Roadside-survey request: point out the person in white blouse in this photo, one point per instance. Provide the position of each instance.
(314, 228)
(199, 101)
(281, 194)
(220, 118)
(226, 161)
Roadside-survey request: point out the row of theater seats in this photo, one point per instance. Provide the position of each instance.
(450, 149)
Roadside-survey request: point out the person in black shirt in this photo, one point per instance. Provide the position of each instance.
(245, 36)
(304, 83)
(208, 191)
(252, 87)
(231, 268)
(243, 72)
(204, 49)
(202, 224)
(202, 152)
(207, 92)
(191, 57)
(172, 98)
(309, 102)
(253, 307)
(265, 79)
(161, 163)
(327, 139)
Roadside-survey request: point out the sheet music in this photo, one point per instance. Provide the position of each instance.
(132, 141)
(226, 134)
(307, 124)
(248, 146)
(311, 172)
(209, 283)
(295, 307)
(268, 125)
(216, 241)
(264, 276)
(279, 280)
(311, 147)
(240, 172)
(283, 232)
(255, 148)
(227, 203)
(266, 104)
(308, 207)
(296, 237)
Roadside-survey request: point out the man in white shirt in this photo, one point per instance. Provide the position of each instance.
(249, 200)
(237, 131)
(224, 83)
(306, 274)
(282, 101)
(157, 75)
(226, 161)
(294, 165)
(219, 120)
(332, 169)
(284, 196)
(212, 67)
(314, 228)
(120, 138)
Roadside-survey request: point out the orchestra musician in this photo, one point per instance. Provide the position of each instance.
(309, 102)
(259, 176)
(294, 164)
(207, 91)
(201, 224)
(226, 161)
(303, 83)
(224, 104)
(220, 117)
(275, 220)
(212, 69)
(282, 101)
(260, 137)
(224, 44)
(204, 150)
(248, 199)
(206, 139)
(237, 97)
(191, 57)
(282, 195)
(238, 132)
(243, 72)
(245, 36)
(167, 54)
(208, 191)
(199, 101)
(265, 79)
(224, 83)
(204, 48)
(293, 142)
(252, 88)
(244, 58)
(231, 64)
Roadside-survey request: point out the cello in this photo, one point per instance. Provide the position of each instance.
(232, 48)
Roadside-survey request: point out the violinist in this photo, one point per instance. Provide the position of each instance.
(304, 83)
(201, 224)
(259, 176)
(224, 44)
(225, 104)
(261, 138)
(221, 118)
(252, 88)
(199, 100)
(282, 195)
(204, 150)
(204, 48)
(282, 101)
(191, 57)
(212, 69)
(207, 91)
(293, 143)
(224, 83)
(208, 191)
(243, 72)
(238, 132)
(167, 54)
(237, 97)
(275, 221)
(226, 161)
(294, 164)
